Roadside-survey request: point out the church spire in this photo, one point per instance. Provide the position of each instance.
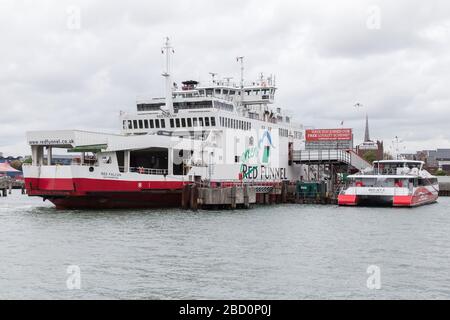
(366, 135)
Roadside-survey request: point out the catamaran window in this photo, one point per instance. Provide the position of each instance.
(151, 124)
(135, 124)
(130, 124)
(200, 120)
(163, 123)
(189, 122)
(177, 122)
(207, 121)
(194, 122)
(141, 124)
(183, 122)
(146, 123)
(157, 123)
(213, 121)
(171, 123)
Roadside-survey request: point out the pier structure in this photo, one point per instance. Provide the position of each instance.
(444, 186)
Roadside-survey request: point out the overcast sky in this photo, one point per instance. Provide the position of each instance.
(76, 64)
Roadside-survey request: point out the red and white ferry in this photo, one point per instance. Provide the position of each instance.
(398, 183)
(220, 133)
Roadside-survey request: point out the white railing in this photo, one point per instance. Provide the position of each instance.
(150, 171)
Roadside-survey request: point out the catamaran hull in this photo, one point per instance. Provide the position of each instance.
(421, 196)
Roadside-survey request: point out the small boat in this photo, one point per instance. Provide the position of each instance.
(398, 183)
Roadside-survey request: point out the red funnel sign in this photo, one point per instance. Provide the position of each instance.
(328, 135)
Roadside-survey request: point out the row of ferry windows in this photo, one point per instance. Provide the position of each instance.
(235, 124)
(174, 123)
(193, 122)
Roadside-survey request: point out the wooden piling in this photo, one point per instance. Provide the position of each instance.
(246, 198)
(193, 204)
(233, 197)
(186, 196)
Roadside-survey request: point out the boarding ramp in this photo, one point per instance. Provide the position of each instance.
(336, 157)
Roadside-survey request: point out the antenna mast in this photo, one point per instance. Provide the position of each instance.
(241, 60)
(168, 51)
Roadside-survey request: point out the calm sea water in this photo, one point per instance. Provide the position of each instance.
(277, 252)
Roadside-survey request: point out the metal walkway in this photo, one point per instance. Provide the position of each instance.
(346, 157)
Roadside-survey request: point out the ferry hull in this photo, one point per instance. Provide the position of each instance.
(82, 193)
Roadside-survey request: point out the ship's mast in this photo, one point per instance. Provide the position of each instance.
(241, 60)
(168, 51)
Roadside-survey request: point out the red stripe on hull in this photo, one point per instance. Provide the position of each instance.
(83, 186)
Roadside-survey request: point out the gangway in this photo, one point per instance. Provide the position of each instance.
(337, 157)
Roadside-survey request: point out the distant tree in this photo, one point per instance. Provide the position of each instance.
(387, 156)
(28, 160)
(440, 173)
(370, 156)
(16, 164)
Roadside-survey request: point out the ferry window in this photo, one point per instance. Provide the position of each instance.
(236, 159)
(183, 122)
(232, 92)
(141, 125)
(194, 122)
(201, 92)
(152, 125)
(217, 91)
(200, 120)
(256, 92)
(130, 124)
(209, 92)
(189, 122)
(163, 123)
(157, 123)
(213, 121)
(207, 121)
(171, 123)
(177, 122)
(247, 92)
(225, 91)
(124, 124)
(135, 124)
(146, 123)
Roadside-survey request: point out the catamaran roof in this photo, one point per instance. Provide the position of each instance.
(399, 161)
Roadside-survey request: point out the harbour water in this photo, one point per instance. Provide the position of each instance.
(271, 252)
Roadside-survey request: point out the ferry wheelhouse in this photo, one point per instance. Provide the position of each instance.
(216, 134)
(398, 183)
